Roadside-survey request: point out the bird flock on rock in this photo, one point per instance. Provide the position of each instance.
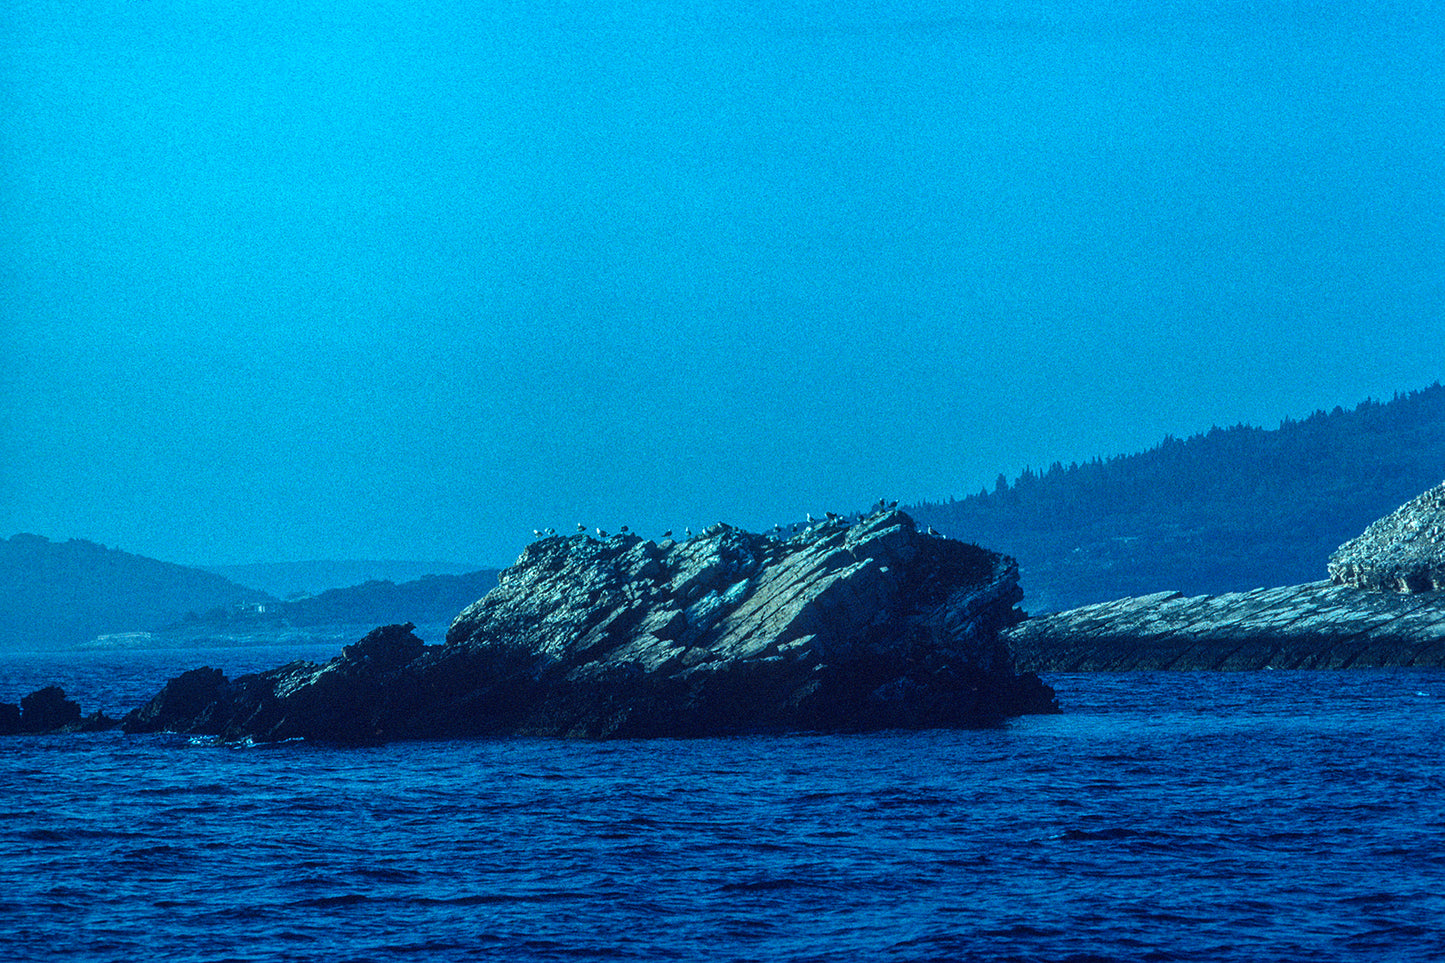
(829, 520)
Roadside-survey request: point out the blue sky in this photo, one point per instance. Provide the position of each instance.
(302, 280)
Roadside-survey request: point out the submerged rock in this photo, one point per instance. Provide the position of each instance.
(856, 627)
(1402, 552)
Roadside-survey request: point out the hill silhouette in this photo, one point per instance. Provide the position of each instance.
(431, 599)
(287, 580)
(1229, 509)
(59, 594)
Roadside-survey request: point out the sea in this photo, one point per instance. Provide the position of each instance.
(1163, 816)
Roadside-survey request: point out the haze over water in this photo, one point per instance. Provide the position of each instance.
(408, 280)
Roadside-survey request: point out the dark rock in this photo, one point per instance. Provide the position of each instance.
(47, 710)
(841, 628)
(9, 718)
(185, 704)
(1402, 552)
(386, 647)
(97, 722)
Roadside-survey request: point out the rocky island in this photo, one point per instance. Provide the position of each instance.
(1381, 607)
(48, 710)
(842, 627)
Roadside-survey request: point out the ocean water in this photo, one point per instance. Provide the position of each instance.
(1190, 816)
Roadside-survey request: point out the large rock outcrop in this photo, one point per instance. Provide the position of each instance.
(868, 626)
(1402, 552)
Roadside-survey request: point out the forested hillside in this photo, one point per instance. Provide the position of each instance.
(1226, 510)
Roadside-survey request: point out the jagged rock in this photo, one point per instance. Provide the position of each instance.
(1313, 626)
(862, 627)
(190, 697)
(352, 698)
(1402, 552)
(47, 710)
(387, 647)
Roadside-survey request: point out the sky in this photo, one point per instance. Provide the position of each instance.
(296, 280)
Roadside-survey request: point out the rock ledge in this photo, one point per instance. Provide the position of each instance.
(1313, 626)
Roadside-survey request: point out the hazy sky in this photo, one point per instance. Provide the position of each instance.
(290, 280)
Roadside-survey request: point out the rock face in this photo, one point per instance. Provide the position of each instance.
(856, 627)
(1313, 626)
(1402, 552)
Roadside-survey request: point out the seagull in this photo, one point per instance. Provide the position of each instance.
(933, 533)
(893, 504)
(536, 533)
(601, 533)
(811, 519)
(667, 534)
(551, 532)
(623, 529)
(581, 527)
(688, 531)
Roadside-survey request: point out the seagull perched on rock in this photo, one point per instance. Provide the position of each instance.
(536, 533)
(581, 527)
(601, 533)
(688, 531)
(623, 529)
(667, 534)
